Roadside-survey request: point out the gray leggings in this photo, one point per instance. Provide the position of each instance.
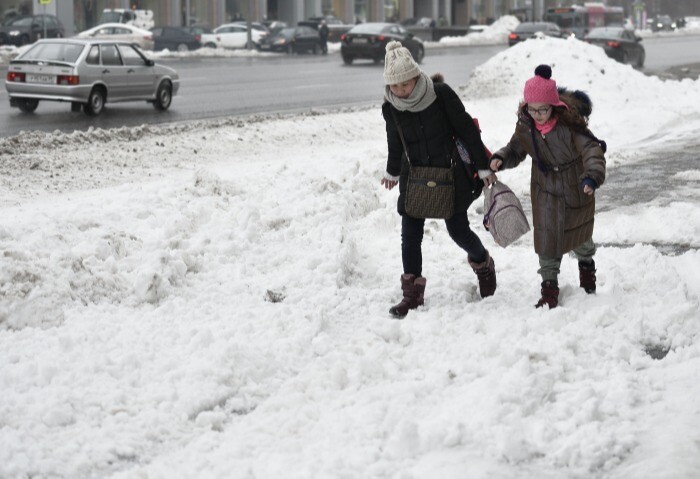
(549, 267)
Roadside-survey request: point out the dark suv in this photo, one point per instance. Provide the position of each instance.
(23, 30)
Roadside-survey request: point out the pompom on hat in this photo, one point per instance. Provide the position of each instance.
(542, 89)
(399, 65)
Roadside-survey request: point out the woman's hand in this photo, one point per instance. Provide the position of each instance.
(588, 190)
(388, 184)
(495, 164)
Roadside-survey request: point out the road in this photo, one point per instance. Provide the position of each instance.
(220, 87)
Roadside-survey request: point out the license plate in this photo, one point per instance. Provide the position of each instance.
(264, 47)
(359, 40)
(45, 79)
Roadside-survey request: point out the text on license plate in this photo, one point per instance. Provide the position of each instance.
(359, 40)
(47, 79)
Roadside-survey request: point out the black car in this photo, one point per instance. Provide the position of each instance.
(174, 39)
(662, 22)
(368, 40)
(531, 29)
(292, 40)
(619, 43)
(24, 30)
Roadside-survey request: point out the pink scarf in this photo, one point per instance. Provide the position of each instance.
(547, 126)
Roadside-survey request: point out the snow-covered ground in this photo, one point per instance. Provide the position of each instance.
(210, 300)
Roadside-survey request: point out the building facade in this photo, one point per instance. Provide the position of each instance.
(78, 15)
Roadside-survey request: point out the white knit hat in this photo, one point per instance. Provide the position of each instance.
(399, 65)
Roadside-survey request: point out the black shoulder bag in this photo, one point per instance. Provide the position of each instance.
(430, 192)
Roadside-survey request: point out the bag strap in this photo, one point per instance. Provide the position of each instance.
(400, 130)
(588, 133)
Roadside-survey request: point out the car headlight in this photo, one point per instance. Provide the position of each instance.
(14, 32)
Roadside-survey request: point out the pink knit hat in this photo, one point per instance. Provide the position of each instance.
(542, 89)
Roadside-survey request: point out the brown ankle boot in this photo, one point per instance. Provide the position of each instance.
(586, 276)
(413, 291)
(486, 274)
(550, 295)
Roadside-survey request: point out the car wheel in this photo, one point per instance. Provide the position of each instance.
(28, 106)
(625, 57)
(418, 57)
(210, 45)
(640, 60)
(96, 102)
(182, 47)
(164, 96)
(316, 49)
(347, 59)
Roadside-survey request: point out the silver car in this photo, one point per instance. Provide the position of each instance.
(88, 73)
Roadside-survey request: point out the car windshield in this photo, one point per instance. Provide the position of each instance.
(21, 22)
(285, 32)
(532, 28)
(605, 32)
(56, 52)
(368, 28)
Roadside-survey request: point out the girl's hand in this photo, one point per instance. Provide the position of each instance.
(588, 190)
(388, 184)
(495, 164)
(491, 179)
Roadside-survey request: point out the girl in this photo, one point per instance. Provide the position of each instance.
(568, 166)
(429, 115)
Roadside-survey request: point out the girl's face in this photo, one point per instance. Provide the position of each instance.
(404, 89)
(541, 112)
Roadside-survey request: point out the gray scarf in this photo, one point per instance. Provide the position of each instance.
(422, 97)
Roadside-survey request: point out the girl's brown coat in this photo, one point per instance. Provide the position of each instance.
(562, 214)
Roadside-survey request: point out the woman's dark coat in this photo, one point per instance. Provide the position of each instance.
(429, 137)
(562, 214)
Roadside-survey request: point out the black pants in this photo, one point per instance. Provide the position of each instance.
(457, 227)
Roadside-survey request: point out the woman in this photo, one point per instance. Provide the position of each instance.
(430, 115)
(568, 166)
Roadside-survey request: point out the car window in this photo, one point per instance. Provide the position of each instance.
(110, 55)
(394, 30)
(121, 31)
(51, 22)
(157, 32)
(104, 31)
(62, 52)
(131, 56)
(93, 57)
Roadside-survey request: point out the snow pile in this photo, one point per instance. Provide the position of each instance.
(212, 301)
(494, 34)
(614, 88)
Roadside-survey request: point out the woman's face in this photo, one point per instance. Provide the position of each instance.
(541, 112)
(404, 89)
